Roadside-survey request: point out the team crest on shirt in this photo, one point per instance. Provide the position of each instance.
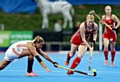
(89, 28)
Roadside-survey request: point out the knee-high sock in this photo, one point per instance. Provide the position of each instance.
(113, 54)
(106, 54)
(75, 62)
(30, 65)
(68, 57)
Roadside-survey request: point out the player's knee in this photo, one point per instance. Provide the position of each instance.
(31, 57)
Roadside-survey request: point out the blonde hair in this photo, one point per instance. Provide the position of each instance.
(38, 39)
(90, 16)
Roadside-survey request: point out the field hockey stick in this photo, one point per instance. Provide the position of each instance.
(89, 67)
(100, 19)
(80, 72)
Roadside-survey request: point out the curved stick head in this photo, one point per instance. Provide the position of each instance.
(95, 73)
(93, 11)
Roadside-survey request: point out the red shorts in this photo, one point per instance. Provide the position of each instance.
(111, 37)
(77, 40)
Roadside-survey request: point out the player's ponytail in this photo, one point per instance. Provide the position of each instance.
(38, 39)
(90, 16)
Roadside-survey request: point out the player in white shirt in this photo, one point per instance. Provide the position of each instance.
(27, 48)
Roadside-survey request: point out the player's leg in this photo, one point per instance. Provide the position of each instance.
(71, 53)
(106, 44)
(113, 52)
(81, 50)
(10, 55)
(30, 66)
(4, 63)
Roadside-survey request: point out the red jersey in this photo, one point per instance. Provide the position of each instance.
(110, 34)
(111, 23)
(76, 38)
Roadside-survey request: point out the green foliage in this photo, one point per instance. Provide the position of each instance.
(25, 21)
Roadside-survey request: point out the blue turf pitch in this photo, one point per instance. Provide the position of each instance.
(15, 72)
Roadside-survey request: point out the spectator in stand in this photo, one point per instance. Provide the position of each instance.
(77, 25)
(58, 26)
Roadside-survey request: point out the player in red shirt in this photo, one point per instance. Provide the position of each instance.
(80, 40)
(109, 36)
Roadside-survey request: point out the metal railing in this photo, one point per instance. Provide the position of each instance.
(60, 45)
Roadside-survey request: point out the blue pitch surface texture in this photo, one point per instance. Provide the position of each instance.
(15, 72)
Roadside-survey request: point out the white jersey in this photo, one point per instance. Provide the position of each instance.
(14, 51)
(20, 44)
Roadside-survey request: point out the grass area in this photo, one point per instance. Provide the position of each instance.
(24, 21)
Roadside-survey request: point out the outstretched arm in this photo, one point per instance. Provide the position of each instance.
(47, 58)
(32, 49)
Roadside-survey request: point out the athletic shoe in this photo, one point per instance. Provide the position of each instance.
(112, 64)
(70, 72)
(106, 62)
(66, 63)
(31, 74)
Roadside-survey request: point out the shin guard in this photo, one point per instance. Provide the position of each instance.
(68, 57)
(75, 62)
(106, 54)
(30, 65)
(113, 52)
